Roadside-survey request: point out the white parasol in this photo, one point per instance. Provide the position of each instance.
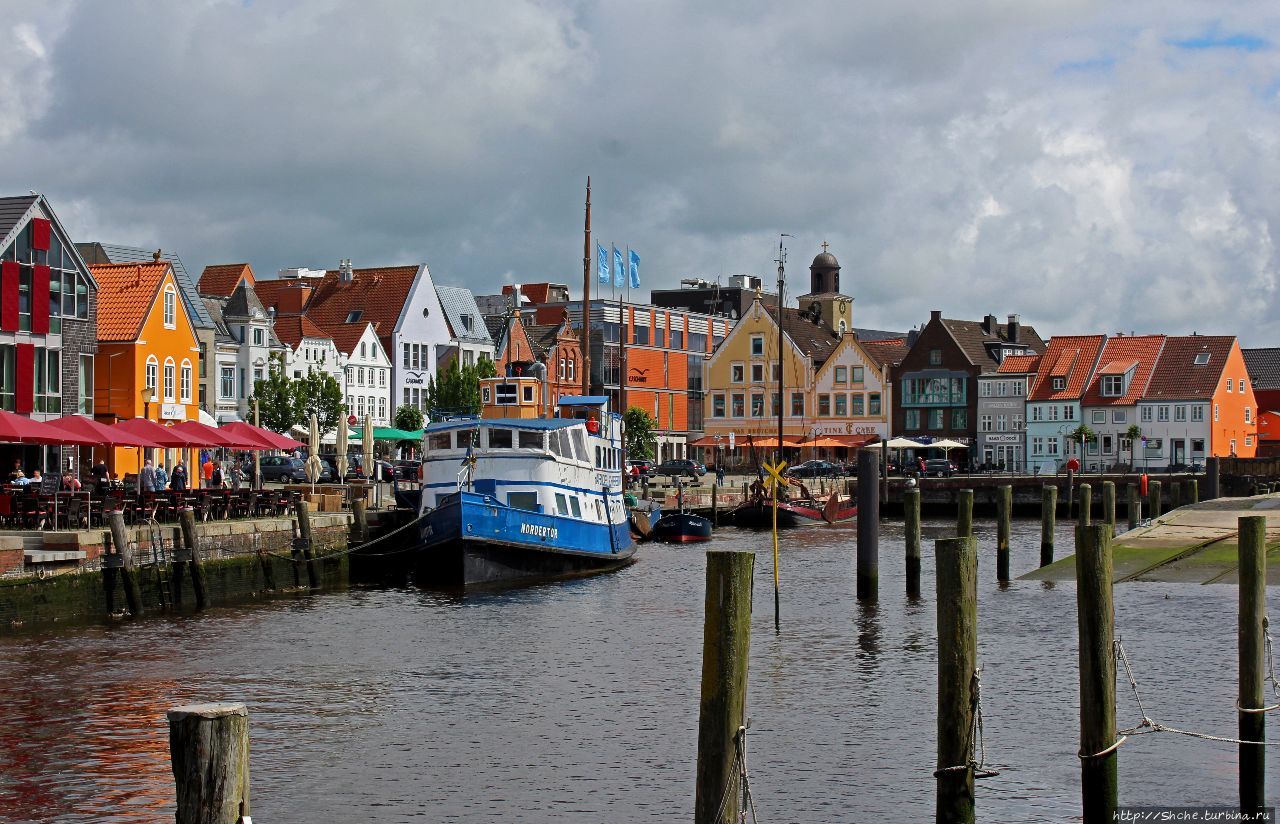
(366, 445)
(313, 460)
(342, 448)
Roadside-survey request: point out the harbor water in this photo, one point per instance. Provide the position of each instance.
(578, 702)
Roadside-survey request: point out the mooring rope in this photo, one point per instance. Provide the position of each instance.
(359, 547)
(977, 738)
(740, 777)
(1149, 725)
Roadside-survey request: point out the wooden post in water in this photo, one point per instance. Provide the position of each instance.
(1048, 521)
(911, 508)
(868, 525)
(1134, 507)
(1193, 491)
(715, 506)
(108, 575)
(1154, 500)
(1004, 528)
(1252, 634)
(187, 518)
(209, 748)
(1086, 504)
(1175, 494)
(726, 644)
(132, 593)
(1071, 493)
(1211, 479)
(957, 589)
(964, 513)
(360, 518)
(1098, 743)
(303, 510)
(1109, 504)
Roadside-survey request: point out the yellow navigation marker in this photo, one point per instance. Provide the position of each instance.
(774, 481)
(775, 473)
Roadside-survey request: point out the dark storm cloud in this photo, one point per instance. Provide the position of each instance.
(1092, 167)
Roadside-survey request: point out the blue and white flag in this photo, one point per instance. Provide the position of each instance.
(602, 263)
(618, 277)
(633, 266)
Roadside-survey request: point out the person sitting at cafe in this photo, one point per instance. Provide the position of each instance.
(147, 478)
(20, 479)
(72, 482)
(215, 477)
(36, 477)
(178, 479)
(17, 470)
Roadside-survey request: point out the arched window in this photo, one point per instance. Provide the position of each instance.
(185, 381)
(153, 376)
(170, 307)
(168, 380)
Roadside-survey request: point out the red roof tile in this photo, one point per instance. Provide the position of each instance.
(126, 293)
(221, 279)
(1178, 377)
(1140, 353)
(291, 329)
(1070, 357)
(379, 295)
(1019, 364)
(886, 352)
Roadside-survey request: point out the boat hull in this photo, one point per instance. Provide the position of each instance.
(474, 541)
(755, 515)
(682, 527)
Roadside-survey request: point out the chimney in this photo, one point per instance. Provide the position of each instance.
(989, 324)
(1015, 330)
(935, 315)
(157, 254)
(912, 336)
(344, 270)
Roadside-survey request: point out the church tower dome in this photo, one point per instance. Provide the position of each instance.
(824, 273)
(825, 301)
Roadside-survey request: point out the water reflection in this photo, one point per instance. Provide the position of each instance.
(578, 702)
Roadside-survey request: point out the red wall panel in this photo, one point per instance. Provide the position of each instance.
(25, 378)
(9, 296)
(39, 233)
(40, 300)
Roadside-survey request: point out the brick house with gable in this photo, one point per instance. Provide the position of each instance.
(1110, 402)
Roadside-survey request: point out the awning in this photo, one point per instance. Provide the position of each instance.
(165, 436)
(99, 432)
(210, 436)
(21, 429)
(834, 441)
(390, 433)
(264, 436)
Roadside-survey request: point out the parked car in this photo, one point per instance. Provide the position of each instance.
(680, 467)
(284, 469)
(815, 469)
(939, 467)
(645, 466)
(406, 470)
(354, 469)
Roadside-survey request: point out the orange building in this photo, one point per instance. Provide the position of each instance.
(148, 354)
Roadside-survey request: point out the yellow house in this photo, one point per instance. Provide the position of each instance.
(148, 353)
(836, 392)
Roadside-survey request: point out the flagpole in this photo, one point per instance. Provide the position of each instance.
(585, 337)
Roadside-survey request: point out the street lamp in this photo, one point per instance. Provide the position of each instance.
(148, 395)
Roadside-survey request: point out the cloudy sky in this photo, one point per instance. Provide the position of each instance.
(1092, 166)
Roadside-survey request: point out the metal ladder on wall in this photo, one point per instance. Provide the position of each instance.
(160, 559)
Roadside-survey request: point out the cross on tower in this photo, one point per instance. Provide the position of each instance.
(824, 246)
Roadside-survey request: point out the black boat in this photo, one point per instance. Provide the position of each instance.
(758, 514)
(682, 528)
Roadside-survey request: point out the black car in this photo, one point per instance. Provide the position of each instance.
(354, 469)
(284, 469)
(815, 469)
(680, 467)
(940, 467)
(406, 470)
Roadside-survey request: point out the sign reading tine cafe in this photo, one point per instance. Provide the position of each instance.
(865, 429)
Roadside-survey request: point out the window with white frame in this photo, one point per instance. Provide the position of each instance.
(1215, 413)
(184, 382)
(1180, 412)
(1037, 446)
(1146, 414)
(1112, 386)
(1248, 415)
(1240, 385)
(1052, 443)
(1068, 413)
(1037, 414)
(170, 307)
(1230, 383)
(1197, 413)
(1002, 422)
(757, 373)
(1018, 424)
(985, 423)
(1099, 416)
(1162, 413)
(227, 382)
(153, 376)
(1059, 384)
(737, 373)
(1119, 416)
(168, 380)
(757, 345)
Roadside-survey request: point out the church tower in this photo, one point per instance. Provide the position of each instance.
(825, 298)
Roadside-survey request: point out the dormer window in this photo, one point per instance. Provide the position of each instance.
(1059, 384)
(1202, 359)
(354, 316)
(468, 323)
(1112, 386)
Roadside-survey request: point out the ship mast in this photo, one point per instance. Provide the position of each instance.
(782, 282)
(585, 336)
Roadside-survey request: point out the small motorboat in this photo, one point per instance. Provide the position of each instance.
(682, 527)
(757, 511)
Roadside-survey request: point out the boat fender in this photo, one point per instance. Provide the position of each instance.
(1142, 485)
(422, 472)
(593, 426)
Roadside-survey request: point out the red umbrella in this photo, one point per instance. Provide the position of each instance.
(100, 433)
(209, 435)
(165, 436)
(21, 429)
(269, 439)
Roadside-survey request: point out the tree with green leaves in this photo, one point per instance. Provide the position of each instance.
(320, 393)
(455, 389)
(641, 440)
(1134, 434)
(408, 418)
(277, 398)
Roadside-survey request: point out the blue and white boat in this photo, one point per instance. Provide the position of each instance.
(528, 491)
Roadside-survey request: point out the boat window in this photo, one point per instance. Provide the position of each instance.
(566, 441)
(468, 437)
(523, 500)
(553, 440)
(599, 457)
(505, 394)
(531, 440)
(562, 504)
(579, 439)
(437, 440)
(499, 438)
(577, 507)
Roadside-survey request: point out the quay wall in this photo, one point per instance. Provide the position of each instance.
(233, 554)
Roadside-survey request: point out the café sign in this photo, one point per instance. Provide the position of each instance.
(173, 411)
